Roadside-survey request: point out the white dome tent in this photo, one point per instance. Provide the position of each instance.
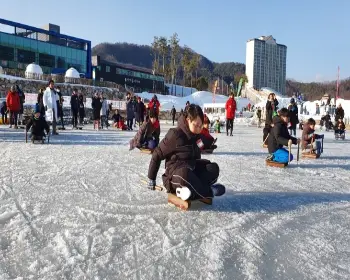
(34, 71)
(72, 76)
(1, 70)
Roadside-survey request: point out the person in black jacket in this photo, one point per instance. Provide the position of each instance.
(74, 105)
(339, 113)
(173, 114)
(96, 110)
(38, 124)
(81, 109)
(139, 111)
(293, 117)
(40, 101)
(279, 137)
(4, 112)
(22, 99)
(186, 173)
(59, 103)
(271, 111)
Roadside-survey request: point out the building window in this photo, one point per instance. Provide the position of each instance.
(108, 69)
(46, 60)
(25, 56)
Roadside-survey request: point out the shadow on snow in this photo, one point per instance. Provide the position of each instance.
(272, 202)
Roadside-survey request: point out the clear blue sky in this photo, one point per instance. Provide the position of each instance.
(316, 32)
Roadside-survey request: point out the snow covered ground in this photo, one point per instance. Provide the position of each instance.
(76, 209)
(198, 97)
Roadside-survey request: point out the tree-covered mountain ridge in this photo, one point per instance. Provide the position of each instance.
(143, 56)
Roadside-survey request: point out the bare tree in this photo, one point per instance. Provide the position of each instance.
(163, 51)
(175, 49)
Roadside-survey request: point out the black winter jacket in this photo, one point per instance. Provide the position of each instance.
(271, 106)
(38, 126)
(279, 135)
(179, 149)
(293, 114)
(74, 103)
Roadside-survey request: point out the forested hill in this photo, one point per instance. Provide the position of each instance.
(141, 55)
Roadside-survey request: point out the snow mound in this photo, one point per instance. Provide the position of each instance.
(199, 98)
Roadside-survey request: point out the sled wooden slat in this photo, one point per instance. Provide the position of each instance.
(310, 155)
(276, 164)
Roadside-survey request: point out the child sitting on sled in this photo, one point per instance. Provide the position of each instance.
(121, 124)
(217, 126)
(309, 136)
(38, 125)
(279, 136)
(207, 139)
(186, 174)
(148, 135)
(116, 118)
(339, 127)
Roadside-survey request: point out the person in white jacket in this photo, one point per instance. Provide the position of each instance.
(50, 105)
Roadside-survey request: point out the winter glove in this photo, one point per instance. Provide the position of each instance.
(45, 108)
(294, 141)
(151, 184)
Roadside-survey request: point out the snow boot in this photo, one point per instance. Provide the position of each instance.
(218, 189)
(269, 157)
(184, 193)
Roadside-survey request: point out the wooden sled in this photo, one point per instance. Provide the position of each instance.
(178, 202)
(186, 204)
(41, 141)
(146, 151)
(276, 164)
(310, 155)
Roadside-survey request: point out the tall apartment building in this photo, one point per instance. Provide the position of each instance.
(266, 64)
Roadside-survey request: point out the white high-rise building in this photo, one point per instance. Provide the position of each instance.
(266, 64)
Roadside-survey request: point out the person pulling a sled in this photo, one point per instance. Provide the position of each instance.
(279, 137)
(148, 135)
(38, 124)
(186, 174)
(309, 137)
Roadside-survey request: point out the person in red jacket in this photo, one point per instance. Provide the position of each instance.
(121, 124)
(207, 139)
(13, 105)
(154, 105)
(230, 113)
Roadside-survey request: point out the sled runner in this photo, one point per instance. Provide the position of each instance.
(207, 151)
(38, 141)
(146, 151)
(313, 154)
(276, 164)
(177, 201)
(339, 136)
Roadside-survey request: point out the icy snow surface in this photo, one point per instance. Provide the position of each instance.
(77, 209)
